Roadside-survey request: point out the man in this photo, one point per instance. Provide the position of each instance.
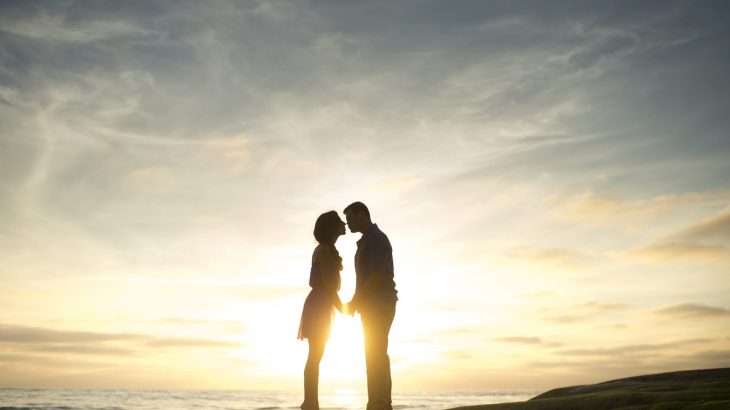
(375, 298)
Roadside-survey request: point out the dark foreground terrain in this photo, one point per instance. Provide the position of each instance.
(692, 389)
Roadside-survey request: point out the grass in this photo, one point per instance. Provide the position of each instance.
(694, 389)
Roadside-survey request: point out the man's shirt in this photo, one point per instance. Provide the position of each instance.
(375, 255)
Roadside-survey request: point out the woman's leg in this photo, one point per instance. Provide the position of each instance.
(311, 373)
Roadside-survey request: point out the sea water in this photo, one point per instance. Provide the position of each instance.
(62, 399)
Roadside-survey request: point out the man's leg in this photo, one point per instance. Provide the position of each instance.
(389, 315)
(369, 330)
(376, 321)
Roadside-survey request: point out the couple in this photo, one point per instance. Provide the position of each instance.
(374, 298)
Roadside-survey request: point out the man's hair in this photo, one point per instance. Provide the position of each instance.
(357, 207)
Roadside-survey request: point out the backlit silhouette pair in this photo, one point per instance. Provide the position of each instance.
(374, 299)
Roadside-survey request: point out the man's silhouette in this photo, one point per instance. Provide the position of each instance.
(375, 298)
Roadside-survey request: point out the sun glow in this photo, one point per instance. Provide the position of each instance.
(343, 364)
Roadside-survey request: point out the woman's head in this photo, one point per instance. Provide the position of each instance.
(328, 228)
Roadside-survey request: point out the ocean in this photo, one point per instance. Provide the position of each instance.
(62, 399)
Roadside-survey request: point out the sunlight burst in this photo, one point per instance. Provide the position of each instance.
(344, 358)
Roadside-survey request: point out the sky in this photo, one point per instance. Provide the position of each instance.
(554, 178)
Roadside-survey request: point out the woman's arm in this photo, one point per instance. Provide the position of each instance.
(329, 268)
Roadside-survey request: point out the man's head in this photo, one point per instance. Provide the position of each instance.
(358, 217)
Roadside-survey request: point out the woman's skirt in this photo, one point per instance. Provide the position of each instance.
(317, 315)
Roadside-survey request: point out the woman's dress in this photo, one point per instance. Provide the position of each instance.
(319, 310)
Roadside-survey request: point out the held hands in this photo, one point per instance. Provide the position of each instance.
(347, 309)
(350, 307)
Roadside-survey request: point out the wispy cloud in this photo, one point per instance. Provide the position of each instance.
(36, 361)
(701, 242)
(29, 334)
(629, 350)
(56, 28)
(713, 229)
(663, 253)
(715, 357)
(692, 311)
(580, 312)
(600, 208)
(27, 338)
(565, 318)
(526, 340)
(78, 349)
(596, 307)
(519, 339)
(556, 258)
(190, 342)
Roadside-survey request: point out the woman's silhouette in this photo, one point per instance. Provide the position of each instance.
(318, 312)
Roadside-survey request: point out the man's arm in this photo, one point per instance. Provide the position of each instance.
(370, 286)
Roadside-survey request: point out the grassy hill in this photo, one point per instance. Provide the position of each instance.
(693, 389)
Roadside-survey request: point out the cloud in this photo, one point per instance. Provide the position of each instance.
(605, 49)
(715, 357)
(56, 28)
(187, 342)
(59, 341)
(565, 319)
(591, 310)
(616, 351)
(713, 229)
(396, 184)
(235, 151)
(152, 176)
(78, 349)
(703, 359)
(596, 307)
(560, 258)
(519, 339)
(615, 326)
(54, 361)
(602, 209)
(692, 311)
(662, 253)
(703, 242)
(526, 340)
(29, 334)
(630, 350)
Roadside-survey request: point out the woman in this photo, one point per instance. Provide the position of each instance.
(318, 312)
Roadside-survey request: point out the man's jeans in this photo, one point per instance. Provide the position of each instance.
(377, 317)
